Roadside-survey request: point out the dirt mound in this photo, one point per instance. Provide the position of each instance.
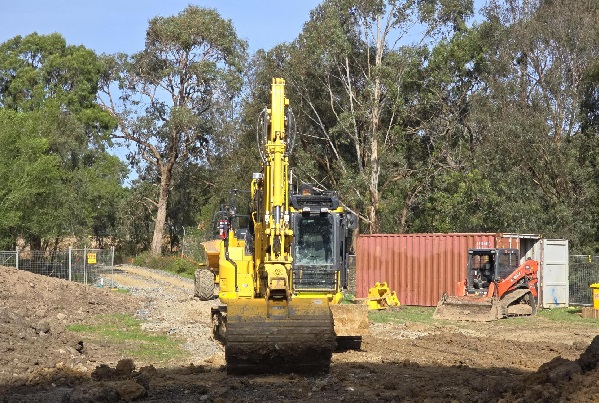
(529, 360)
(562, 380)
(34, 312)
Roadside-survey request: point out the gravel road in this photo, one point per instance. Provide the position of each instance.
(172, 309)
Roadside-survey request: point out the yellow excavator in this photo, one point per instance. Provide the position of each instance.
(281, 280)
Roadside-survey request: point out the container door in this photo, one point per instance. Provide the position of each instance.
(554, 273)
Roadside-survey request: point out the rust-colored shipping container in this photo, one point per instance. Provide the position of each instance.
(418, 267)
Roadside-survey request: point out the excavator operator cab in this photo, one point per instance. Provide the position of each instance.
(320, 243)
(315, 238)
(486, 266)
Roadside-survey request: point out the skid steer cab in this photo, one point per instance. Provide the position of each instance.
(497, 285)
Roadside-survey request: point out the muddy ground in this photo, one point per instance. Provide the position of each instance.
(514, 360)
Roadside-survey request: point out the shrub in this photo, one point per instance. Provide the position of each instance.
(171, 264)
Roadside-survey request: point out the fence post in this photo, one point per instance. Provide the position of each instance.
(17, 258)
(85, 265)
(183, 242)
(112, 269)
(70, 262)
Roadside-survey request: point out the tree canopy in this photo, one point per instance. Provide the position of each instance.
(424, 120)
(57, 179)
(173, 93)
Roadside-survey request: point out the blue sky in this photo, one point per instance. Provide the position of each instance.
(111, 26)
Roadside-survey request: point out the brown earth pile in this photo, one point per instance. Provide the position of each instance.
(521, 360)
(34, 311)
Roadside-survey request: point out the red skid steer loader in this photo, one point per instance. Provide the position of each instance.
(497, 286)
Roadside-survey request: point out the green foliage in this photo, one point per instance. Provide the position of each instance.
(491, 127)
(56, 178)
(175, 94)
(461, 203)
(174, 264)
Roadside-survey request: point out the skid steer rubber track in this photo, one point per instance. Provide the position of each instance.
(519, 302)
(278, 336)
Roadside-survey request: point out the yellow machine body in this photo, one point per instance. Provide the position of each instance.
(279, 316)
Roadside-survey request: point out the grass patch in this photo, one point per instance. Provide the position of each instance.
(173, 264)
(121, 290)
(125, 331)
(571, 314)
(403, 314)
(419, 314)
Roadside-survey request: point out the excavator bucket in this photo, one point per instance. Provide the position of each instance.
(351, 324)
(277, 336)
(467, 309)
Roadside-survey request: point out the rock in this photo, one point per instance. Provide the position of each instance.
(42, 327)
(94, 394)
(80, 368)
(102, 373)
(79, 347)
(129, 390)
(143, 380)
(125, 367)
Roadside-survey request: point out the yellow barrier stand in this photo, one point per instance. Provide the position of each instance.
(380, 297)
(595, 288)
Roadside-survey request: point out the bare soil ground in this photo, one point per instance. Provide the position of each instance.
(521, 360)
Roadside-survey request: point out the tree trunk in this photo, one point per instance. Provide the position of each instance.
(375, 163)
(374, 186)
(165, 183)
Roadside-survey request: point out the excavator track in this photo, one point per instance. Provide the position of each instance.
(277, 336)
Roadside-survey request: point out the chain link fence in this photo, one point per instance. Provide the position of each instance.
(584, 271)
(96, 266)
(88, 266)
(9, 258)
(191, 245)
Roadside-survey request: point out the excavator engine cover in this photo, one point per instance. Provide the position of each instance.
(279, 336)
